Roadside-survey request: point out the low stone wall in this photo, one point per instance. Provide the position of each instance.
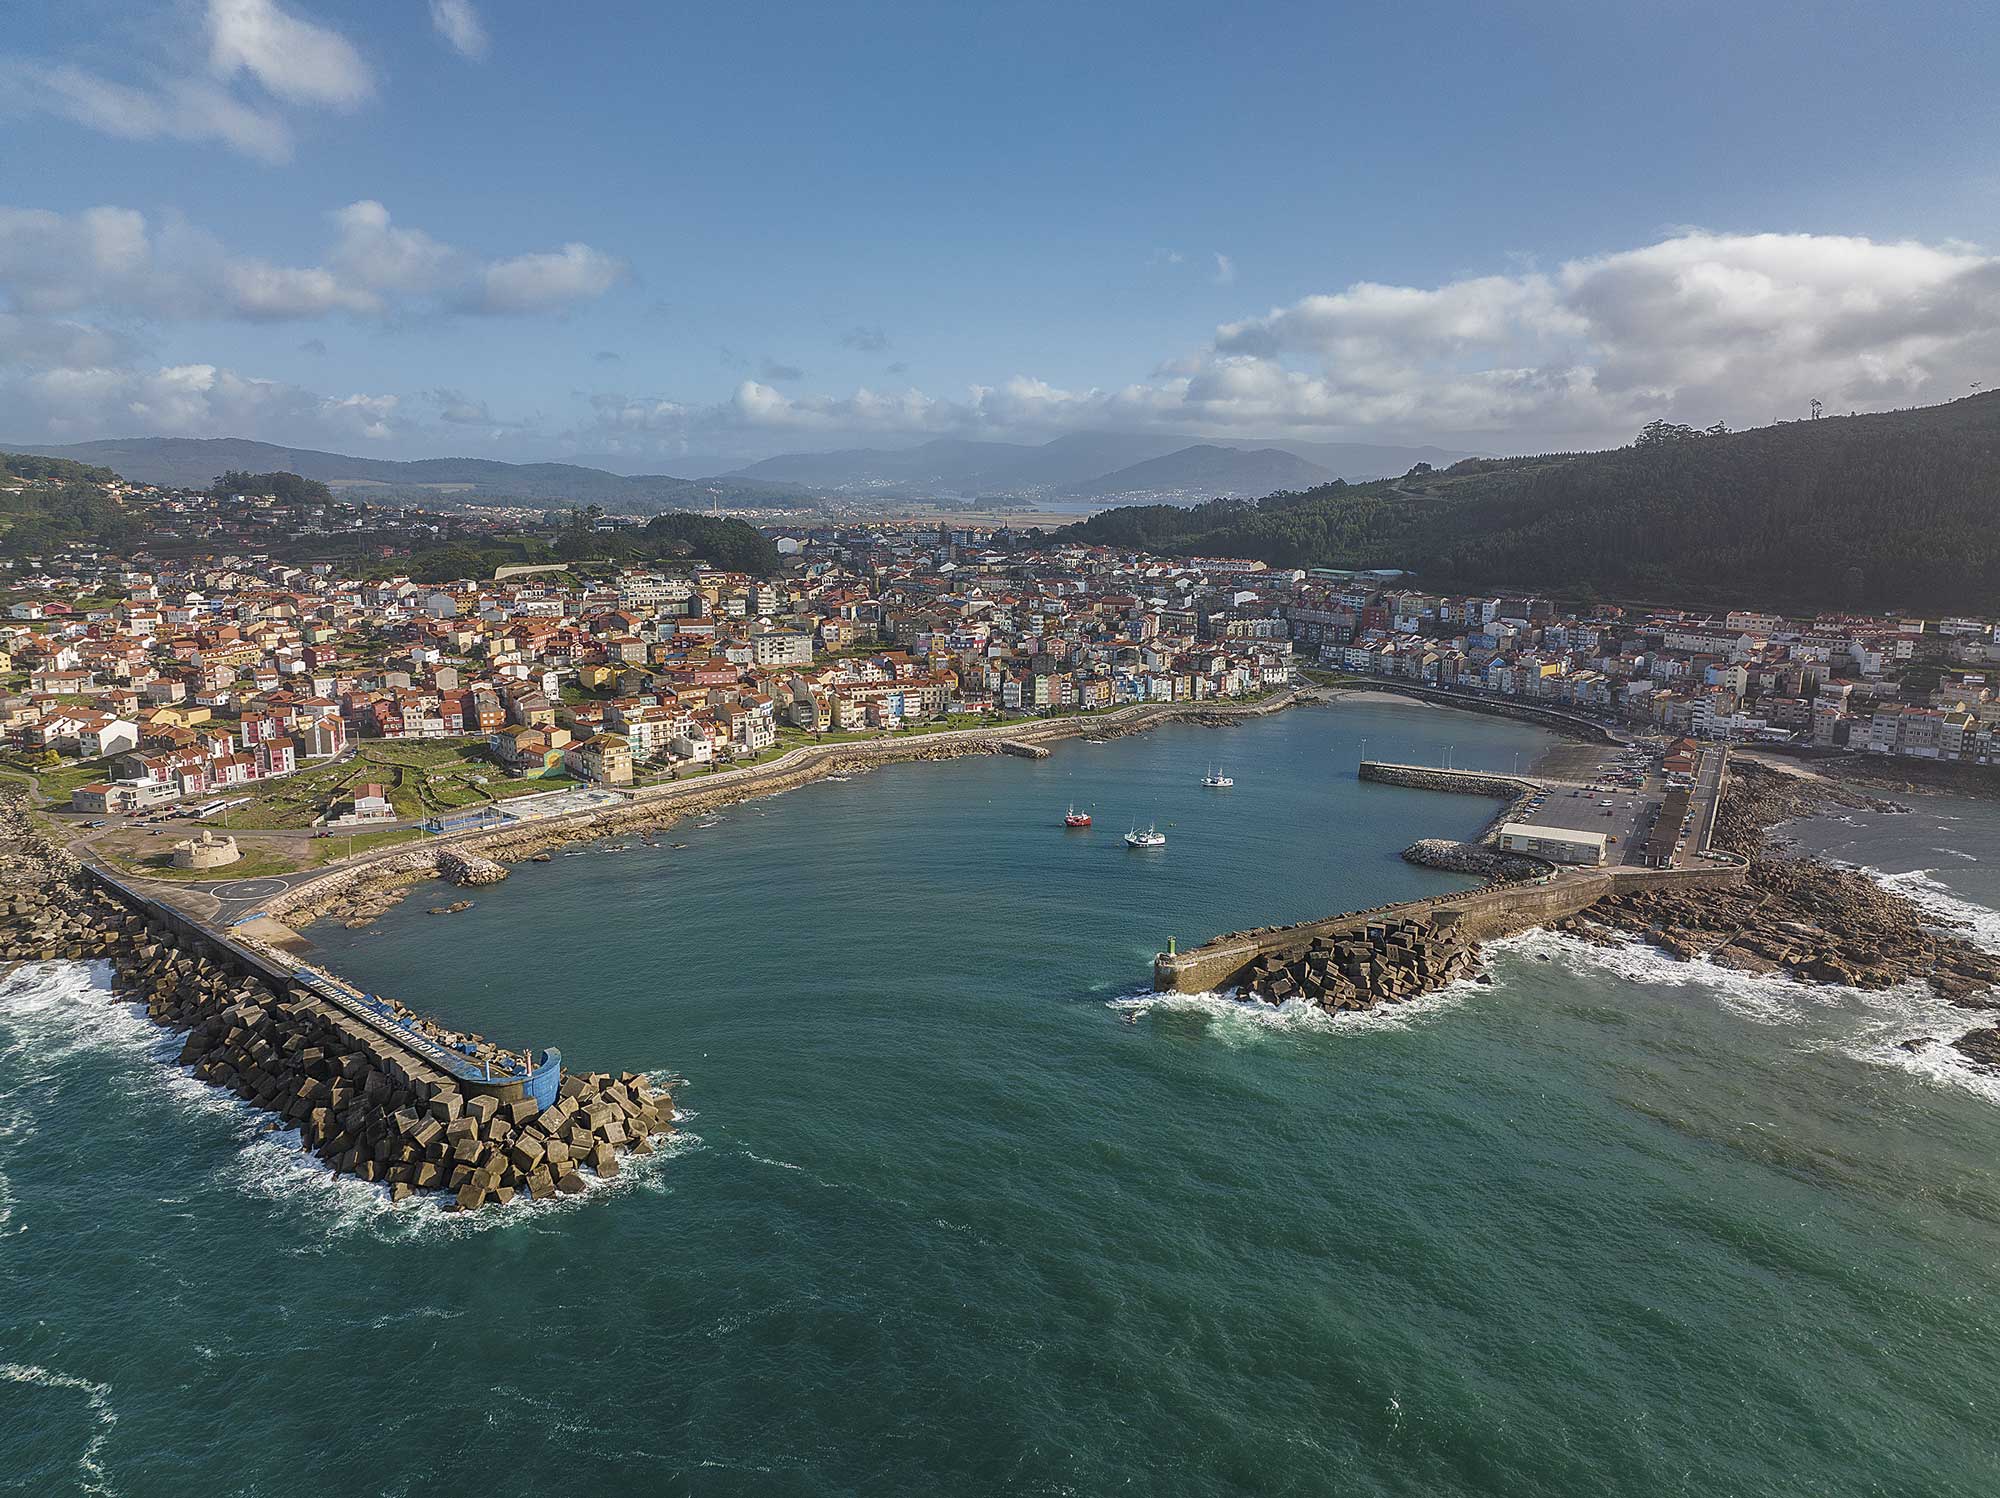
(1512, 789)
(1570, 725)
(1479, 915)
(1459, 782)
(367, 1103)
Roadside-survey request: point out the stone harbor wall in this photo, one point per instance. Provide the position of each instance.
(1479, 915)
(1386, 962)
(362, 1103)
(463, 866)
(1474, 858)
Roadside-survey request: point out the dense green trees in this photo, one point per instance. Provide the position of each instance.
(1900, 509)
(46, 518)
(286, 487)
(60, 470)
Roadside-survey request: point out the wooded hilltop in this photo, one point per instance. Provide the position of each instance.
(1895, 510)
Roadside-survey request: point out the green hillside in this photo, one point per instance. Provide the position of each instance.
(1900, 509)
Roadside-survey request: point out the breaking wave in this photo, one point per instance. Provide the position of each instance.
(1978, 924)
(1237, 1022)
(53, 1013)
(1867, 1025)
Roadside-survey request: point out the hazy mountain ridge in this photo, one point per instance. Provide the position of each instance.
(1212, 472)
(194, 462)
(1085, 464)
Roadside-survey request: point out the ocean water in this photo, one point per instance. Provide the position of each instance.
(961, 1207)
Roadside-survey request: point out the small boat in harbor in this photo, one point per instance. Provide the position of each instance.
(1215, 779)
(1075, 818)
(1152, 837)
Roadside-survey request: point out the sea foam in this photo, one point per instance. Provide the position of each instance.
(54, 1012)
(91, 1477)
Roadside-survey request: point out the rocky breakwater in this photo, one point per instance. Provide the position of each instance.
(1473, 858)
(463, 866)
(1384, 962)
(370, 1115)
(1795, 915)
(365, 1105)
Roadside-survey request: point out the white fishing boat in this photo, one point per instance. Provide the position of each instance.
(1152, 837)
(1215, 779)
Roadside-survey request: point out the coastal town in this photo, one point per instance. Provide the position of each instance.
(356, 705)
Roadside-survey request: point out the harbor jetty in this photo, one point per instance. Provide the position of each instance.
(1393, 953)
(372, 1088)
(1747, 906)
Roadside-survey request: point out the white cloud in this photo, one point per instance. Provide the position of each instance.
(1225, 270)
(189, 400)
(55, 343)
(375, 253)
(113, 260)
(458, 23)
(167, 108)
(292, 58)
(1745, 328)
(246, 46)
(533, 283)
(1698, 326)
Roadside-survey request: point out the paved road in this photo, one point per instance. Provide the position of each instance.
(1709, 771)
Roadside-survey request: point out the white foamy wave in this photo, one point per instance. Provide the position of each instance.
(1774, 999)
(1868, 1025)
(1958, 853)
(91, 1477)
(1242, 1021)
(273, 1166)
(1978, 924)
(52, 1012)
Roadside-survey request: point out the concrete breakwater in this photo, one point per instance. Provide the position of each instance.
(1474, 916)
(1389, 960)
(376, 1094)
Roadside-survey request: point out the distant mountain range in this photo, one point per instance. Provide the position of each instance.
(1096, 465)
(190, 462)
(1113, 467)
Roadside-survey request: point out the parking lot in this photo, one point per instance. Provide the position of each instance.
(1620, 802)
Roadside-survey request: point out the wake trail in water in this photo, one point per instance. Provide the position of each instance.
(91, 1476)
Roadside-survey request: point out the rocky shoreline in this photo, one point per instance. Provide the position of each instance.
(1798, 915)
(359, 1102)
(1790, 914)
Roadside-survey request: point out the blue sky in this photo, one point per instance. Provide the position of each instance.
(671, 233)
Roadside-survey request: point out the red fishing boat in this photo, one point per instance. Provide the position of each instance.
(1075, 818)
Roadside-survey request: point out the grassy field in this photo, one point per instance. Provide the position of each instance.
(56, 784)
(421, 777)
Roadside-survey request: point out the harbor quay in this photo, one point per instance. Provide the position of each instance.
(1358, 960)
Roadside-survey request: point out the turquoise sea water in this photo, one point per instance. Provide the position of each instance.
(943, 1220)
